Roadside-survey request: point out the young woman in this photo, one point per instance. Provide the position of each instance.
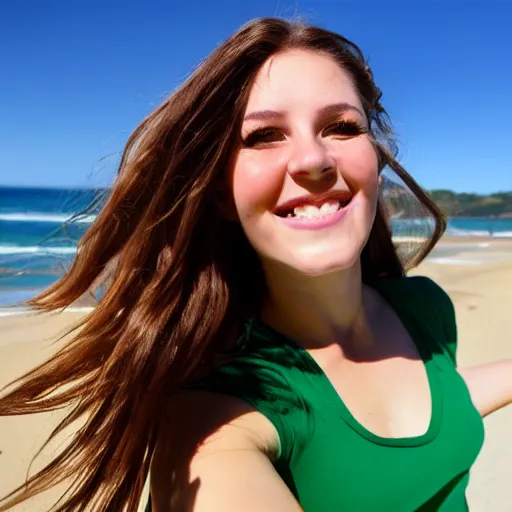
(258, 346)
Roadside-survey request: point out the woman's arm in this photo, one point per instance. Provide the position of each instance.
(490, 385)
(214, 456)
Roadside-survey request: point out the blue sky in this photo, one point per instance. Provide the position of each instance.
(77, 77)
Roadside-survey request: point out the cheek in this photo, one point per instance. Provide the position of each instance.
(256, 183)
(360, 169)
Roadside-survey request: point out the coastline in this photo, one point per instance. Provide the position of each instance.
(451, 250)
(482, 296)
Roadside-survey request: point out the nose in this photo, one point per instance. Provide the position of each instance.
(310, 160)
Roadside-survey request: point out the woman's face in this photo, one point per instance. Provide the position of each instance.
(305, 178)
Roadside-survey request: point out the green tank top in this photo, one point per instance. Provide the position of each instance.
(327, 458)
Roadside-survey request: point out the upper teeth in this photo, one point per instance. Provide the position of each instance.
(309, 211)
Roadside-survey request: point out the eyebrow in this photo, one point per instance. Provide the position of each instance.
(334, 109)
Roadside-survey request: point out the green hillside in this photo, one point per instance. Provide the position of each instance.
(398, 202)
(498, 204)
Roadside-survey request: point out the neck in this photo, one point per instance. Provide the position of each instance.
(317, 311)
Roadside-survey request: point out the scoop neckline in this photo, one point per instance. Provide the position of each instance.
(338, 403)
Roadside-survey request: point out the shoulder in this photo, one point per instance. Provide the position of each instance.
(430, 305)
(434, 298)
(205, 420)
(417, 290)
(267, 375)
(429, 287)
(441, 316)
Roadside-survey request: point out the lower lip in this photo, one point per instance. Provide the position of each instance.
(322, 222)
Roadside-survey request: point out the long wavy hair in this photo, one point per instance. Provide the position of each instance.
(173, 294)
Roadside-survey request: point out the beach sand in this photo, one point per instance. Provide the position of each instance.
(482, 294)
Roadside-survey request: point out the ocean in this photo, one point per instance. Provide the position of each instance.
(39, 230)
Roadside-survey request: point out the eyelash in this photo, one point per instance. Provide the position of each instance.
(352, 127)
(347, 128)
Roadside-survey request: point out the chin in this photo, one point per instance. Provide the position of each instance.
(315, 270)
(323, 264)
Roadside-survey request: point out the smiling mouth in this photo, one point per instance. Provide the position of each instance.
(312, 211)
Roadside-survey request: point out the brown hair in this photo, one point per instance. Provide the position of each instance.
(174, 294)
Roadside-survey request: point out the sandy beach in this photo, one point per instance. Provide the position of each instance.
(477, 274)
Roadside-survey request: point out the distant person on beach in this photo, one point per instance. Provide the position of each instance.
(259, 346)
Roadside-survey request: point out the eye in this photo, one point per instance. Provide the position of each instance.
(263, 136)
(345, 129)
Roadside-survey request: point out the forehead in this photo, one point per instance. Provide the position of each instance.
(301, 79)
